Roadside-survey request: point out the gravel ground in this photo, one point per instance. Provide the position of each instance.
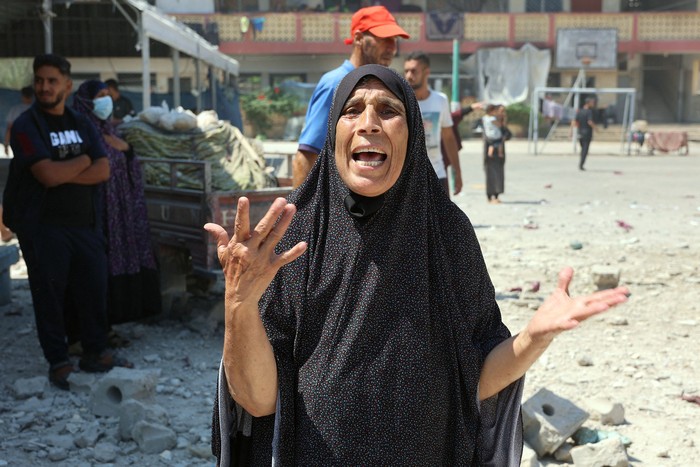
(642, 355)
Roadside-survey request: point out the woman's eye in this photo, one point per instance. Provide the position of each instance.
(351, 111)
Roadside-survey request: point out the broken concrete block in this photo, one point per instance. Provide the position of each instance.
(24, 388)
(119, 385)
(605, 277)
(549, 420)
(609, 413)
(81, 382)
(133, 411)
(607, 453)
(153, 438)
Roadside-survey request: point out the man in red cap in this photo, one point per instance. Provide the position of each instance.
(373, 35)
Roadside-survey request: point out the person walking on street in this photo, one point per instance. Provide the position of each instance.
(437, 119)
(585, 125)
(374, 37)
(51, 203)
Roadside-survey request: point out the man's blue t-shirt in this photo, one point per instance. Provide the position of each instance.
(316, 124)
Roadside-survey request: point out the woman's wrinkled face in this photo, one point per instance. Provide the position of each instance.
(371, 139)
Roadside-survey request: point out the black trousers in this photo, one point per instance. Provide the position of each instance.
(585, 142)
(67, 260)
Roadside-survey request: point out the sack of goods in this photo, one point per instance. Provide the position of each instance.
(237, 163)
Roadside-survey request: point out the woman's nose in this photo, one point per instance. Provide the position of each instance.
(369, 121)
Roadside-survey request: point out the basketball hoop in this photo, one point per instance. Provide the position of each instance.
(586, 61)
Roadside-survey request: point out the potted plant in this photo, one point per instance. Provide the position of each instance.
(267, 112)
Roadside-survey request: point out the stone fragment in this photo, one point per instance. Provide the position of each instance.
(24, 388)
(607, 453)
(58, 441)
(548, 420)
(529, 457)
(153, 438)
(81, 383)
(89, 435)
(563, 453)
(605, 277)
(57, 454)
(104, 451)
(133, 411)
(584, 360)
(119, 385)
(608, 412)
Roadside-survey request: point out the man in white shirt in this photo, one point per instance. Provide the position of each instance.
(437, 121)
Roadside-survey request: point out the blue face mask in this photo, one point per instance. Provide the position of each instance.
(102, 107)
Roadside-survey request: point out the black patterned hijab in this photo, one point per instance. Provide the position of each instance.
(381, 328)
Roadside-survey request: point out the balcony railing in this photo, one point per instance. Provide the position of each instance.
(323, 33)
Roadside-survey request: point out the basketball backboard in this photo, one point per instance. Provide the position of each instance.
(589, 48)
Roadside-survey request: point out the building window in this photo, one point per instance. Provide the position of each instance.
(543, 6)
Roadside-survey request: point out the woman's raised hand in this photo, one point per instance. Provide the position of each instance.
(248, 259)
(561, 312)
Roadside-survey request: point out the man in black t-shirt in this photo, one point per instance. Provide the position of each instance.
(121, 106)
(584, 123)
(51, 203)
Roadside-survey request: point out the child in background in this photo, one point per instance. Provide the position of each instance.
(493, 131)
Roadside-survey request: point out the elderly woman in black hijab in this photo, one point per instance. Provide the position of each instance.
(361, 323)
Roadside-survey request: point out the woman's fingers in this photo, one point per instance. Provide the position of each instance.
(218, 232)
(267, 223)
(241, 226)
(565, 277)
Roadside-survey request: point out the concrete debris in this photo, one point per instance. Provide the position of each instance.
(121, 384)
(153, 438)
(529, 457)
(549, 420)
(608, 412)
(605, 277)
(30, 387)
(607, 453)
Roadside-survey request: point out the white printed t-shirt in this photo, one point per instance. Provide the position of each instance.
(436, 116)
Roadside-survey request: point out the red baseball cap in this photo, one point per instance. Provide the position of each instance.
(378, 21)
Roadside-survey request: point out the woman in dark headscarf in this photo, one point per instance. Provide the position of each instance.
(380, 341)
(134, 284)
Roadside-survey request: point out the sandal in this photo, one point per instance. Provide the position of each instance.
(103, 362)
(115, 341)
(59, 373)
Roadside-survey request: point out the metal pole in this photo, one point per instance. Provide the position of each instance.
(626, 125)
(46, 18)
(176, 77)
(212, 87)
(198, 84)
(146, 65)
(455, 75)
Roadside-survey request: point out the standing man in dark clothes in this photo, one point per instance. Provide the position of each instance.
(51, 200)
(585, 125)
(121, 106)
